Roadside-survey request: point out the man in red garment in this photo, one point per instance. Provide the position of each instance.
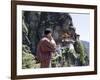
(45, 48)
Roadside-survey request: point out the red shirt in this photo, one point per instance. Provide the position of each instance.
(44, 49)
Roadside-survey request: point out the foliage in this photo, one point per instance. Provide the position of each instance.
(28, 60)
(79, 48)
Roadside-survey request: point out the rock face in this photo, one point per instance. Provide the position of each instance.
(34, 24)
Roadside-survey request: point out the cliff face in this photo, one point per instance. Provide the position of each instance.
(34, 24)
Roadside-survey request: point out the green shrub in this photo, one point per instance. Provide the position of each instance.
(79, 48)
(28, 60)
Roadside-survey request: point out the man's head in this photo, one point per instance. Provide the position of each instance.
(48, 32)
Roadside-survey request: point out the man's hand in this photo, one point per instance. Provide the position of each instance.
(53, 42)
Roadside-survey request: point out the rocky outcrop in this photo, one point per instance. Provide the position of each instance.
(34, 24)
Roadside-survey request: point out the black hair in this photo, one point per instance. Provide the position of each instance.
(47, 31)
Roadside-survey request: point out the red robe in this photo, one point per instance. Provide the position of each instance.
(44, 49)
